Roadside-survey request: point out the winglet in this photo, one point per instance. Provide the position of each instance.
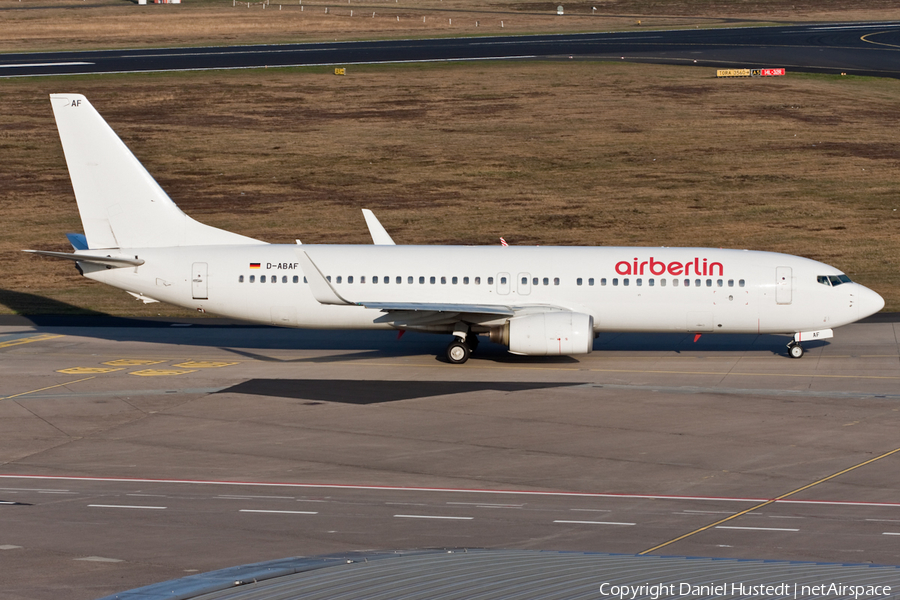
(380, 236)
(318, 285)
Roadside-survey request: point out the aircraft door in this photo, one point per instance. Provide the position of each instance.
(783, 285)
(198, 281)
(524, 284)
(503, 283)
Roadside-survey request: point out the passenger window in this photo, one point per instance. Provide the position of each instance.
(252, 278)
(297, 279)
(709, 283)
(602, 281)
(421, 279)
(400, 280)
(274, 278)
(262, 278)
(304, 279)
(674, 283)
(443, 280)
(741, 283)
(591, 281)
(687, 283)
(465, 281)
(374, 278)
(362, 279)
(525, 281)
(328, 277)
(731, 283)
(615, 281)
(455, 280)
(625, 281)
(697, 282)
(349, 278)
(546, 281)
(556, 281)
(578, 281)
(284, 279)
(478, 281)
(490, 281)
(503, 281)
(662, 282)
(639, 281)
(240, 279)
(719, 282)
(432, 279)
(650, 282)
(339, 279)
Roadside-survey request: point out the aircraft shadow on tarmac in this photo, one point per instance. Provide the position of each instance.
(242, 339)
(375, 392)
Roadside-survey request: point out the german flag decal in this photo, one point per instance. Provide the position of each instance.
(254, 265)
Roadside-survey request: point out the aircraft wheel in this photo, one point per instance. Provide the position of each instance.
(795, 350)
(457, 352)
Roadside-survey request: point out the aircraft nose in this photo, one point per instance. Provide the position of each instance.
(869, 302)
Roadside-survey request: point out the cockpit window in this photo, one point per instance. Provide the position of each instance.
(833, 280)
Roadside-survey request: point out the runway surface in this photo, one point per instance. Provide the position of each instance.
(854, 48)
(138, 452)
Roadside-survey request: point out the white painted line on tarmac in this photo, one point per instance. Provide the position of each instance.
(10, 547)
(589, 510)
(755, 528)
(148, 495)
(389, 488)
(593, 522)
(60, 64)
(433, 517)
(30, 490)
(884, 520)
(99, 559)
(486, 505)
(126, 506)
(890, 533)
(279, 512)
(704, 512)
(227, 497)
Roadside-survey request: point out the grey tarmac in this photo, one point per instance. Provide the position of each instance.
(135, 452)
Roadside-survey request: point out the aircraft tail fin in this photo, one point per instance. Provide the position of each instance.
(120, 203)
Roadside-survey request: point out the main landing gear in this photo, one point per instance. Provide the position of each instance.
(463, 345)
(795, 350)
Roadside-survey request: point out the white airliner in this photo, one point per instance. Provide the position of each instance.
(535, 300)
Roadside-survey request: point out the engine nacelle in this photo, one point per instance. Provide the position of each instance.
(549, 333)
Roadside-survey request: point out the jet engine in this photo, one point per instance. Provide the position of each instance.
(546, 334)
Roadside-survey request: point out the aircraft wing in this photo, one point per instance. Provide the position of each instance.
(426, 313)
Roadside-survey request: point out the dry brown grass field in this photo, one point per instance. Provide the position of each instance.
(540, 153)
(38, 25)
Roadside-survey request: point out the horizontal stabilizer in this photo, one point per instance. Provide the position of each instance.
(109, 261)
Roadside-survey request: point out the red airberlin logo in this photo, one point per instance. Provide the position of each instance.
(657, 267)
